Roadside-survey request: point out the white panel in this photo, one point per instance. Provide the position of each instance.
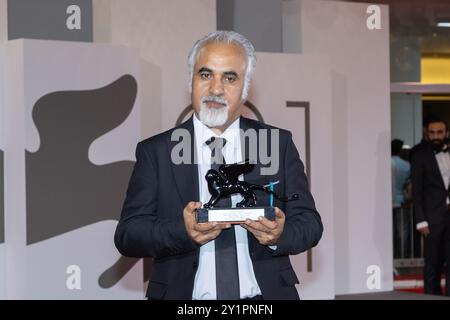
(2, 271)
(2, 147)
(3, 21)
(2, 97)
(288, 77)
(14, 170)
(38, 271)
(359, 60)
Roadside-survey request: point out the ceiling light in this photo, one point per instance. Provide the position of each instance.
(444, 24)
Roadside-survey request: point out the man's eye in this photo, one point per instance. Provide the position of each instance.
(205, 75)
(230, 79)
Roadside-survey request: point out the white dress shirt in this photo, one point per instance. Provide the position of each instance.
(205, 278)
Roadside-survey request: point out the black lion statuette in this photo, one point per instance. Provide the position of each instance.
(225, 182)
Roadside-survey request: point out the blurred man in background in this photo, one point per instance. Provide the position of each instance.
(430, 171)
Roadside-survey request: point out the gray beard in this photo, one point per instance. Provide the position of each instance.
(211, 117)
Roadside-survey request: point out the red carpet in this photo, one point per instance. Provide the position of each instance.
(412, 283)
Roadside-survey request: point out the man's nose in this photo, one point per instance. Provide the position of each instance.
(216, 87)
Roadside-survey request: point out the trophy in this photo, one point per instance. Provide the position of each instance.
(224, 183)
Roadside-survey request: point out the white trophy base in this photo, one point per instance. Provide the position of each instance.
(234, 215)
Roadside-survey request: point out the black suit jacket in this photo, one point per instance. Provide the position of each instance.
(429, 192)
(152, 224)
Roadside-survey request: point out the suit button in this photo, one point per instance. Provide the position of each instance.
(195, 264)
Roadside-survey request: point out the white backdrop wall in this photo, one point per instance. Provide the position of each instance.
(343, 72)
(162, 32)
(3, 36)
(2, 148)
(308, 81)
(3, 21)
(359, 60)
(73, 102)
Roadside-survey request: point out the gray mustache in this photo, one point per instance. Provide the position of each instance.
(214, 99)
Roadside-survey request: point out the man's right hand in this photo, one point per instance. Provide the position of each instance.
(424, 231)
(201, 233)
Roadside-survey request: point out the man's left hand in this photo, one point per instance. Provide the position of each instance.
(266, 231)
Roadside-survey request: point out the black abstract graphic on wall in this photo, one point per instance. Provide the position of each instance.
(65, 191)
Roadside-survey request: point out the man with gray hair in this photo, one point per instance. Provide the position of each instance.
(212, 260)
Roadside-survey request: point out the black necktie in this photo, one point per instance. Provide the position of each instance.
(443, 149)
(227, 274)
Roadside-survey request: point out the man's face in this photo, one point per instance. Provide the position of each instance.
(436, 132)
(217, 84)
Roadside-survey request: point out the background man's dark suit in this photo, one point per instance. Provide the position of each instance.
(152, 225)
(429, 198)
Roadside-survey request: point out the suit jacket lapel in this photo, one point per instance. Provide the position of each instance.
(186, 174)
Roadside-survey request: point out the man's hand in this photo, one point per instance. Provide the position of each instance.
(201, 233)
(424, 231)
(267, 232)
